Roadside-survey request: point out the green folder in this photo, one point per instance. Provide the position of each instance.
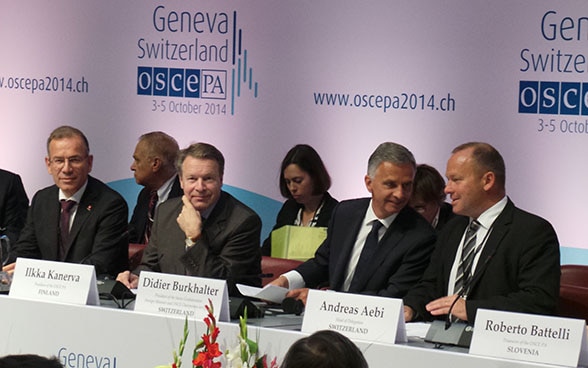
(297, 242)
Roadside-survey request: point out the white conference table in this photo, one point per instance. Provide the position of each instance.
(92, 336)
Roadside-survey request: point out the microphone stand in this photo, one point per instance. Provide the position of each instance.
(448, 321)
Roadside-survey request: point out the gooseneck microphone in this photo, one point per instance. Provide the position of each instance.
(448, 319)
(466, 288)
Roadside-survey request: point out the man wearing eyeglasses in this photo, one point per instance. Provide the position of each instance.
(79, 219)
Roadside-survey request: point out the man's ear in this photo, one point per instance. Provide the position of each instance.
(156, 164)
(489, 180)
(368, 183)
(48, 164)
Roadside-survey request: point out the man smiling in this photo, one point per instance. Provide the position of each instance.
(493, 256)
(401, 240)
(94, 230)
(206, 232)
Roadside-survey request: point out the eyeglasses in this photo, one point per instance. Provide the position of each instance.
(74, 161)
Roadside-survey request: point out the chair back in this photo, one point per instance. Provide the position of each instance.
(573, 292)
(276, 267)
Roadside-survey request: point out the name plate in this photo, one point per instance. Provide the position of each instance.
(179, 295)
(533, 338)
(359, 317)
(54, 282)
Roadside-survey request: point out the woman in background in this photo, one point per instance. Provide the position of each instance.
(428, 196)
(305, 182)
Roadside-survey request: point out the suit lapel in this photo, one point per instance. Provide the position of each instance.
(355, 217)
(215, 223)
(498, 230)
(394, 234)
(51, 229)
(82, 214)
(176, 189)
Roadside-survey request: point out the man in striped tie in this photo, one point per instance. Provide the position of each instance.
(493, 256)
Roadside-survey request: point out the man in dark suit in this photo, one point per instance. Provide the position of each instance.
(512, 260)
(13, 205)
(154, 167)
(95, 232)
(400, 251)
(205, 233)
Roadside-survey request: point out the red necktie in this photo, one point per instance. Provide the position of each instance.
(66, 207)
(150, 214)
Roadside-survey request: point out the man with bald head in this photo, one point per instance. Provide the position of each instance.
(154, 167)
(493, 256)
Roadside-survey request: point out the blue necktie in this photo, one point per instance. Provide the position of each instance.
(368, 251)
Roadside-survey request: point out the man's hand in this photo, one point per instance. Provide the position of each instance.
(190, 220)
(408, 313)
(300, 294)
(441, 306)
(281, 282)
(128, 279)
(9, 268)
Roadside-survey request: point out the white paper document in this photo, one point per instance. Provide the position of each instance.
(270, 293)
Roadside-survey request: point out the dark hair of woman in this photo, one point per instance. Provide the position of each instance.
(307, 159)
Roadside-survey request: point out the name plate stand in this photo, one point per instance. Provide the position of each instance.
(528, 337)
(179, 295)
(359, 317)
(54, 282)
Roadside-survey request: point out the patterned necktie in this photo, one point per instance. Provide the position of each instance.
(66, 207)
(464, 270)
(369, 249)
(153, 198)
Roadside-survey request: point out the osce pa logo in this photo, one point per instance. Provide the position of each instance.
(554, 98)
(178, 82)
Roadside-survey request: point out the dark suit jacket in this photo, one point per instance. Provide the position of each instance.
(138, 222)
(445, 215)
(399, 262)
(14, 204)
(288, 214)
(228, 248)
(518, 269)
(98, 234)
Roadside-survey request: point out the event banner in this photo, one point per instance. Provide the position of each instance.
(256, 77)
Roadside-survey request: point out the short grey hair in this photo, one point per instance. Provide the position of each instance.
(393, 153)
(162, 145)
(66, 131)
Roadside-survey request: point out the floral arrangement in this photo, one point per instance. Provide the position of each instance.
(244, 355)
(207, 350)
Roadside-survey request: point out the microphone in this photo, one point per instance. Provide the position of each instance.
(448, 318)
(446, 332)
(466, 288)
(292, 306)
